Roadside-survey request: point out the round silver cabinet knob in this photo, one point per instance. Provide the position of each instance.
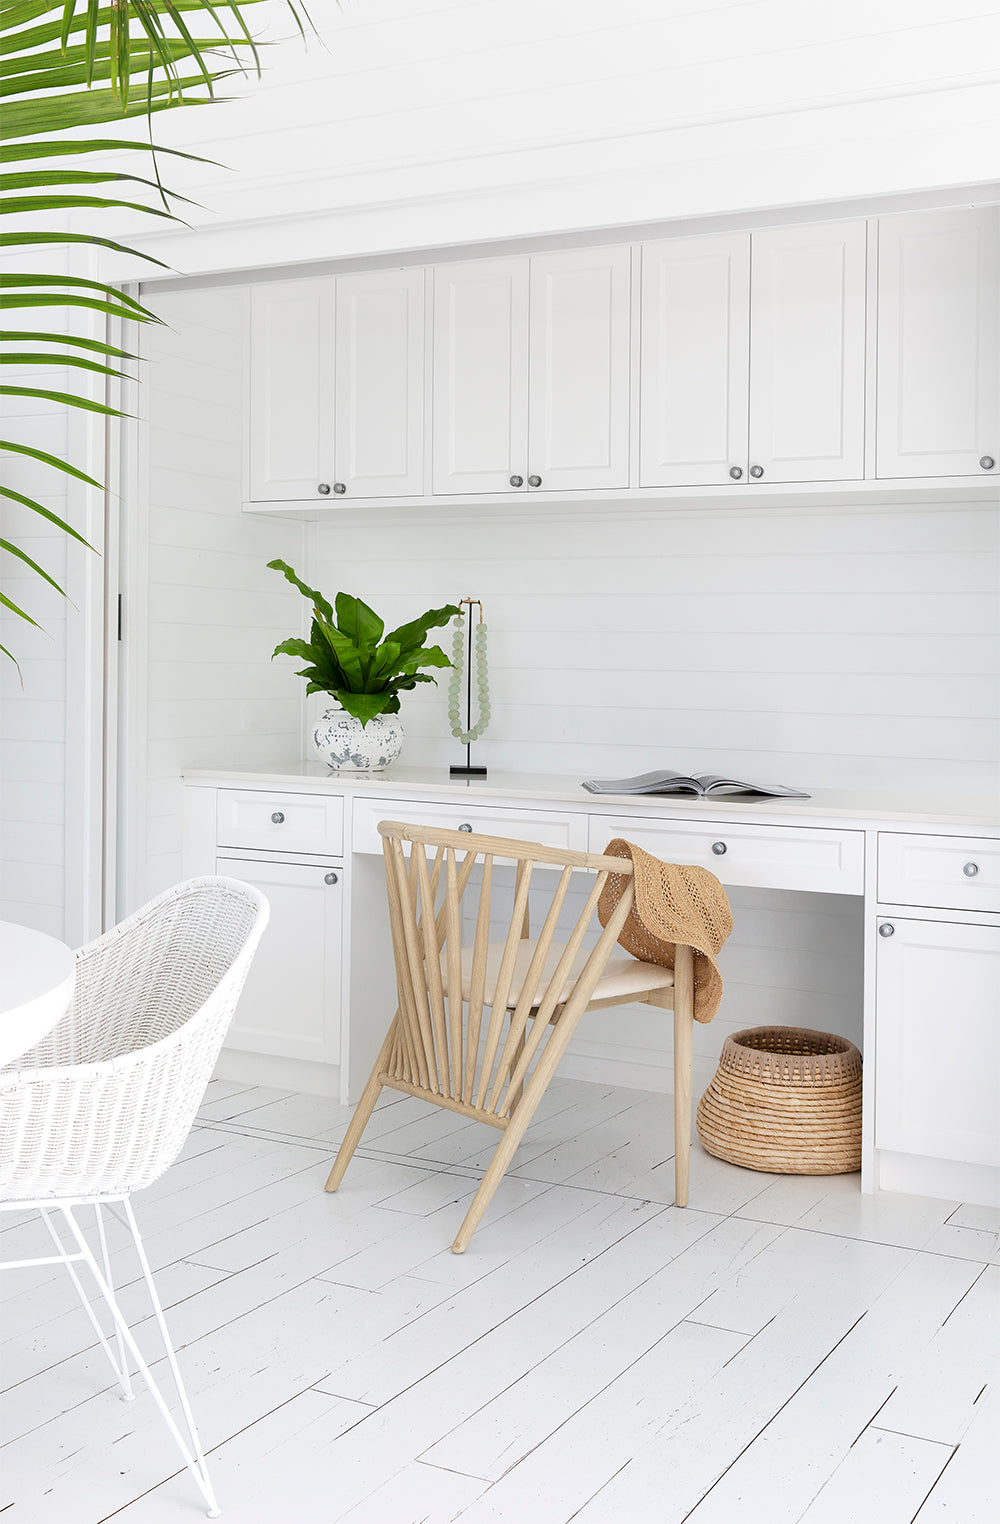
(719, 848)
(517, 481)
(756, 472)
(339, 488)
(736, 472)
(887, 929)
(987, 462)
(465, 827)
(534, 481)
(330, 878)
(278, 818)
(323, 489)
(970, 870)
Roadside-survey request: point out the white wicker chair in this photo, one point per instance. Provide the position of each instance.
(103, 1104)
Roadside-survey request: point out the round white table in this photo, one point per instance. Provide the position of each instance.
(36, 986)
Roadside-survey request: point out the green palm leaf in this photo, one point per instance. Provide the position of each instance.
(67, 65)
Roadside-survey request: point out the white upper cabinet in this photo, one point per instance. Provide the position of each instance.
(290, 415)
(939, 344)
(578, 370)
(480, 402)
(531, 373)
(379, 413)
(752, 364)
(807, 353)
(694, 362)
(336, 388)
(754, 367)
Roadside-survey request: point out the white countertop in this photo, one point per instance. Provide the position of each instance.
(864, 807)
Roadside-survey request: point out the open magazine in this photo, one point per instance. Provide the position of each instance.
(676, 783)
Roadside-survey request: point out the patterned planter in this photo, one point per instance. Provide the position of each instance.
(347, 745)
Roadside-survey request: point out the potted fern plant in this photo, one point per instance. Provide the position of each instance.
(348, 658)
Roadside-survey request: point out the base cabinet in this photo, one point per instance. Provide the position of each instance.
(291, 1003)
(937, 1015)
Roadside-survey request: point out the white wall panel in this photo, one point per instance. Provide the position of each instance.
(832, 648)
(212, 611)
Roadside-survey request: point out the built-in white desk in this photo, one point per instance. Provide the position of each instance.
(927, 873)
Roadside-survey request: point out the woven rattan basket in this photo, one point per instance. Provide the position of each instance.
(785, 1100)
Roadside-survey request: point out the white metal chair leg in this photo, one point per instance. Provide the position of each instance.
(118, 1366)
(190, 1448)
(127, 1393)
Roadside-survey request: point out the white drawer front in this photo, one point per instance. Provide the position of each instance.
(282, 822)
(763, 857)
(545, 826)
(943, 872)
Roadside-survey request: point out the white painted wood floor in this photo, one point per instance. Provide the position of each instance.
(784, 1349)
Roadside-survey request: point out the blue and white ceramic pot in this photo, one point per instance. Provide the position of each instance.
(350, 747)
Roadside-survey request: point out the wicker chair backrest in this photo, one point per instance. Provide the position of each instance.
(104, 1103)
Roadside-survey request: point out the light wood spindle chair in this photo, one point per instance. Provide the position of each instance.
(443, 1046)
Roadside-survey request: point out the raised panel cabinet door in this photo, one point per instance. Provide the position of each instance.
(289, 443)
(380, 384)
(694, 362)
(578, 370)
(938, 388)
(807, 353)
(480, 397)
(291, 1004)
(937, 1008)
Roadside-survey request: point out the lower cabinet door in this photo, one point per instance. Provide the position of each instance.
(291, 1003)
(937, 1019)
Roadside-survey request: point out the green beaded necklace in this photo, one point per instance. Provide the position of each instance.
(455, 685)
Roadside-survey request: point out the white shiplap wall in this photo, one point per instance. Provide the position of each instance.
(843, 647)
(214, 611)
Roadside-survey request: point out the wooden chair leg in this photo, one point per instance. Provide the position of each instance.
(683, 1064)
(516, 1128)
(362, 1113)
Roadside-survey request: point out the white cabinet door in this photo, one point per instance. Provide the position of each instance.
(379, 422)
(290, 1006)
(578, 375)
(290, 416)
(807, 353)
(937, 1012)
(694, 366)
(480, 396)
(938, 392)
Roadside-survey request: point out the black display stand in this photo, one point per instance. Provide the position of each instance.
(467, 770)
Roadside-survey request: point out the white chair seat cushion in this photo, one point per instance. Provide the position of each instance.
(624, 977)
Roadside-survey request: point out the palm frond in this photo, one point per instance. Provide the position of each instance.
(67, 66)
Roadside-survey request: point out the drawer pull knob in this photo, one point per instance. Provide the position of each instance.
(719, 848)
(465, 827)
(887, 929)
(987, 462)
(330, 878)
(970, 870)
(278, 818)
